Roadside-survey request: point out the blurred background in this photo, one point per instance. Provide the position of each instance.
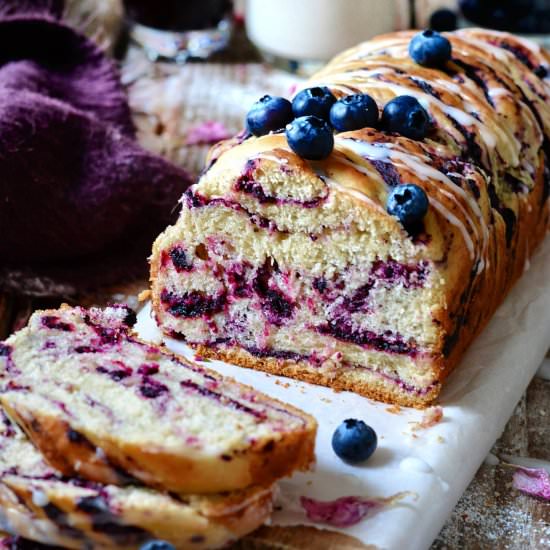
(293, 34)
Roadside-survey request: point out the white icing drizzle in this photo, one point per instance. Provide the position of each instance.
(456, 222)
(269, 156)
(430, 175)
(371, 173)
(343, 189)
(39, 498)
(500, 53)
(426, 100)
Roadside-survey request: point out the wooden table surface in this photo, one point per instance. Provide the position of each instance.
(489, 516)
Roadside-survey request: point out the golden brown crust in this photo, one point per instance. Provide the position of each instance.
(376, 387)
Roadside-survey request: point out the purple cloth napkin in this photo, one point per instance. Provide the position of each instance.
(77, 194)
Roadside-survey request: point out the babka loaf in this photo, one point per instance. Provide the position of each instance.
(295, 267)
(37, 503)
(103, 405)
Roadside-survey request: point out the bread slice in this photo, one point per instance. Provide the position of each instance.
(295, 267)
(37, 503)
(103, 405)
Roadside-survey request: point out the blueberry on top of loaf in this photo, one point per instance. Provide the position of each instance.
(38, 503)
(299, 267)
(104, 405)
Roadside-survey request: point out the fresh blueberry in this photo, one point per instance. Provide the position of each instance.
(430, 49)
(404, 115)
(313, 101)
(310, 137)
(443, 20)
(354, 441)
(157, 545)
(268, 114)
(353, 112)
(408, 203)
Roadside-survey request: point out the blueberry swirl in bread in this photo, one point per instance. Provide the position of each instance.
(103, 405)
(296, 268)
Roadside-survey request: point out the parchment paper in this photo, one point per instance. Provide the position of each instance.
(436, 464)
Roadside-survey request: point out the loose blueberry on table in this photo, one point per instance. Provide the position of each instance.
(353, 112)
(409, 203)
(404, 115)
(157, 545)
(313, 101)
(268, 114)
(354, 441)
(310, 137)
(430, 49)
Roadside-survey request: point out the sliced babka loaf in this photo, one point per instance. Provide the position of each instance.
(103, 405)
(297, 267)
(37, 503)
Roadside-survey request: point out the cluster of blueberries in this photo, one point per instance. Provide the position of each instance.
(310, 120)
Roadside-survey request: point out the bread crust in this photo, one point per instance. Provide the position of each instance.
(374, 387)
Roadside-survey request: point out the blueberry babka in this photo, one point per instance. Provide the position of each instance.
(37, 503)
(373, 267)
(103, 405)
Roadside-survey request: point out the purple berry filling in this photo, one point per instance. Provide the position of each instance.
(151, 388)
(387, 171)
(278, 354)
(180, 259)
(192, 304)
(116, 374)
(86, 349)
(108, 335)
(236, 280)
(5, 350)
(276, 307)
(316, 361)
(387, 342)
(233, 403)
(320, 284)
(148, 370)
(410, 276)
(105, 520)
(247, 184)
(520, 53)
(55, 323)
